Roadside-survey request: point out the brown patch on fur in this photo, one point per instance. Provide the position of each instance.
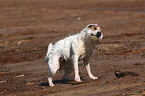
(100, 40)
(93, 27)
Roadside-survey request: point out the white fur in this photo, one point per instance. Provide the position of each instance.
(72, 48)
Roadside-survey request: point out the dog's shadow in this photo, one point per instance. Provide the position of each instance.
(62, 81)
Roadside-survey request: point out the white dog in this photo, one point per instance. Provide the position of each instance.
(68, 51)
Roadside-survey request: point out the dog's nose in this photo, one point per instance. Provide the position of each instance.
(98, 34)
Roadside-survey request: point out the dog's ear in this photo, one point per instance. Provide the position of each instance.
(91, 25)
(99, 29)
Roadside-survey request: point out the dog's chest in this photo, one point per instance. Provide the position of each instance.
(82, 51)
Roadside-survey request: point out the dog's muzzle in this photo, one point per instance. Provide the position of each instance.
(97, 35)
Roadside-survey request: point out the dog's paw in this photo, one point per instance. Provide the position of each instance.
(77, 79)
(94, 78)
(51, 85)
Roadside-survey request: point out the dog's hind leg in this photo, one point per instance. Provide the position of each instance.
(53, 65)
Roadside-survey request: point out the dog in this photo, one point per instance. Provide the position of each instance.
(68, 51)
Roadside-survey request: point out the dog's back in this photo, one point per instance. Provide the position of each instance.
(63, 47)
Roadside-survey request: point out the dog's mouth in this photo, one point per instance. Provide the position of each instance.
(97, 35)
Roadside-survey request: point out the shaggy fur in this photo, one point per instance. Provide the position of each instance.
(68, 51)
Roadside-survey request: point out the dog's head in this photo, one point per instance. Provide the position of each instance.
(95, 32)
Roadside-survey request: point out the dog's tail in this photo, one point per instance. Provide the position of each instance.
(49, 48)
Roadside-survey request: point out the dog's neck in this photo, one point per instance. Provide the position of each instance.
(89, 43)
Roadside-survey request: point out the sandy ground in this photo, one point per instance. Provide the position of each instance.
(28, 26)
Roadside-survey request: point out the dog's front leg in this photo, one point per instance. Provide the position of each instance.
(87, 64)
(76, 69)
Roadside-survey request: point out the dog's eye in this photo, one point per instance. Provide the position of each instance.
(95, 28)
(92, 34)
(90, 26)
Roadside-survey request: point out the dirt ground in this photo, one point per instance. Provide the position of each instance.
(28, 26)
